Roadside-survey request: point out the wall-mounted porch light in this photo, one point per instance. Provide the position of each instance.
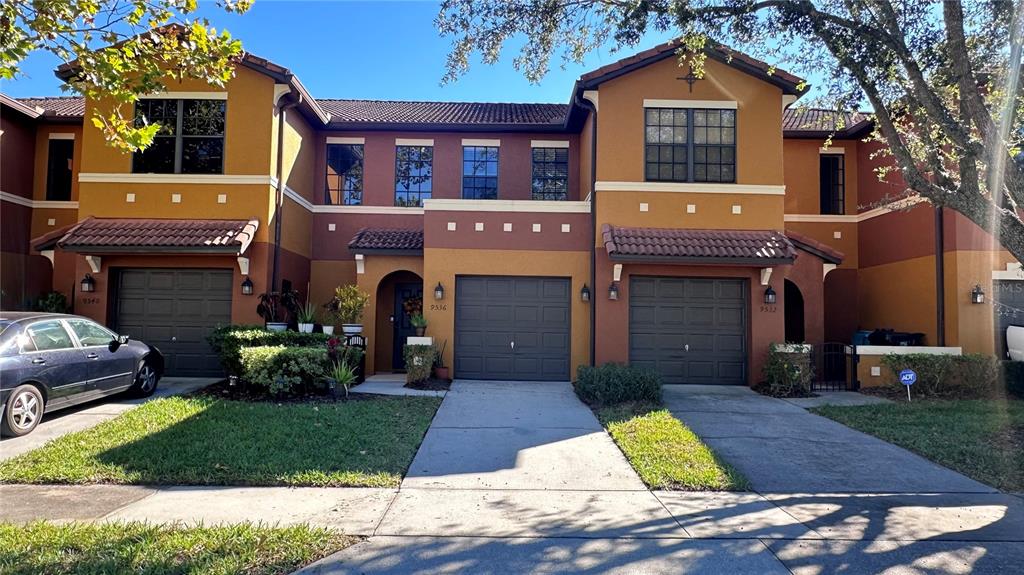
(88, 284)
(585, 293)
(769, 296)
(613, 291)
(439, 291)
(247, 286)
(977, 294)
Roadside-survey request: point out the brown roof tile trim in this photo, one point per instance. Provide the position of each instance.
(738, 247)
(813, 246)
(387, 240)
(443, 113)
(106, 235)
(821, 122)
(58, 106)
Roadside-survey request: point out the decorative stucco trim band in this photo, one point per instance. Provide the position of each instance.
(691, 188)
(539, 206)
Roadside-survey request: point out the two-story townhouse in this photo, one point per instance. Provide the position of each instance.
(657, 218)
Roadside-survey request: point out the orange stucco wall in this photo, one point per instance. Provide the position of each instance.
(377, 268)
(803, 186)
(42, 157)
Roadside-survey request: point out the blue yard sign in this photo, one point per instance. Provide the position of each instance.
(908, 377)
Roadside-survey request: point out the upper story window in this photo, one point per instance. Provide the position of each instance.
(550, 173)
(344, 174)
(833, 184)
(480, 172)
(689, 145)
(190, 140)
(414, 167)
(60, 155)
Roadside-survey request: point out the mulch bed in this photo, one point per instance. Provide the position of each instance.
(242, 392)
(431, 384)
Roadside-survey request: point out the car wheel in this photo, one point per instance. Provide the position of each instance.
(145, 380)
(23, 412)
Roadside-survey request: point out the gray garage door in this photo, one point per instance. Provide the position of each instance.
(689, 330)
(1010, 295)
(512, 328)
(175, 310)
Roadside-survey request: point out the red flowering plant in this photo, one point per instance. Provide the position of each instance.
(332, 349)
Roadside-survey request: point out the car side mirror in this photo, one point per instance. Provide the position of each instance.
(118, 342)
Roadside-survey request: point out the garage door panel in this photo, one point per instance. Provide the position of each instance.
(690, 330)
(532, 312)
(175, 310)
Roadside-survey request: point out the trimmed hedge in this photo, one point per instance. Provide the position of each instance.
(227, 342)
(285, 370)
(787, 373)
(614, 383)
(419, 359)
(951, 376)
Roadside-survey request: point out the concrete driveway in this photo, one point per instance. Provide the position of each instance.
(84, 416)
(518, 435)
(783, 448)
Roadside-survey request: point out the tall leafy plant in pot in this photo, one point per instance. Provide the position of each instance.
(277, 307)
(348, 304)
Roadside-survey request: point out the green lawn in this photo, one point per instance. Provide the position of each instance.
(664, 452)
(203, 441)
(111, 548)
(983, 439)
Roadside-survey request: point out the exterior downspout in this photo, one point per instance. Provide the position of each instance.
(587, 104)
(940, 277)
(282, 112)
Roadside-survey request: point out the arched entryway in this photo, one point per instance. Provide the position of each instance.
(397, 295)
(794, 304)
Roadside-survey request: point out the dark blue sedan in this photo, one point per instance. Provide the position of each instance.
(50, 361)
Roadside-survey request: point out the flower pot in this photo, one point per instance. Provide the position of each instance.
(305, 328)
(277, 325)
(441, 373)
(352, 328)
(420, 331)
(328, 329)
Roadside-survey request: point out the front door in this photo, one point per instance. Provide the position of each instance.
(403, 326)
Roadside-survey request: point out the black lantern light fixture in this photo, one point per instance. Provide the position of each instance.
(88, 284)
(769, 296)
(247, 286)
(977, 294)
(613, 291)
(439, 291)
(585, 293)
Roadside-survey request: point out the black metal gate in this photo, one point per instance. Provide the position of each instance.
(833, 367)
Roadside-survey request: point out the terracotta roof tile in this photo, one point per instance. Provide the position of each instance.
(715, 246)
(128, 234)
(58, 106)
(820, 249)
(820, 121)
(389, 239)
(443, 113)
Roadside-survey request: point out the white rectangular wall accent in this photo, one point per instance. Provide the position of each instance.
(549, 143)
(129, 197)
(414, 142)
(451, 226)
(345, 140)
(836, 150)
(536, 227)
(566, 228)
(837, 235)
(737, 210)
(51, 221)
(644, 207)
(479, 226)
(222, 198)
(332, 227)
(187, 96)
(507, 227)
(480, 142)
(691, 208)
(175, 198)
(61, 136)
(712, 104)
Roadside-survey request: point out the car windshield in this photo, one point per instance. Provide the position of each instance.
(4, 323)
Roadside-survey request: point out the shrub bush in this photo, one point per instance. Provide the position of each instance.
(284, 370)
(227, 342)
(948, 376)
(419, 359)
(787, 373)
(614, 383)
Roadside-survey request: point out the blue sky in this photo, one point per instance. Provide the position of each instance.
(374, 50)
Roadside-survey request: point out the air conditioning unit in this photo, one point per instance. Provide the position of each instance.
(1015, 342)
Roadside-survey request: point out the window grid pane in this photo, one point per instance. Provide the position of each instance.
(714, 151)
(413, 174)
(550, 174)
(666, 137)
(833, 184)
(344, 174)
(480, 172)
(190, 139)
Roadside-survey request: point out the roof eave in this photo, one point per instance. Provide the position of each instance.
(702, 260)
(30, 111)
(386, 251)
(141, 249)
(444, 127)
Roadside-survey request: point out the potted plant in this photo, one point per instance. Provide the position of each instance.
(419, 322)
(327, 322)
(440, 370)
(347, 306)
(341, 375)
(306, 317)
(276, 307)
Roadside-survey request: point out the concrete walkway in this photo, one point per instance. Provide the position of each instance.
(518, 435)
(78, 418)
(782, 448)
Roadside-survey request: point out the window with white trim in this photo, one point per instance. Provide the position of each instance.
(344, 174)
(550, 174)
(689, 145)
(480, 172)
(190, 139)
(414, 166)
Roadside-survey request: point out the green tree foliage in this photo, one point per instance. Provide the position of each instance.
(941, 77)
(119, 50)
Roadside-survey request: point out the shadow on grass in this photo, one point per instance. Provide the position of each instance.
(197, 441)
